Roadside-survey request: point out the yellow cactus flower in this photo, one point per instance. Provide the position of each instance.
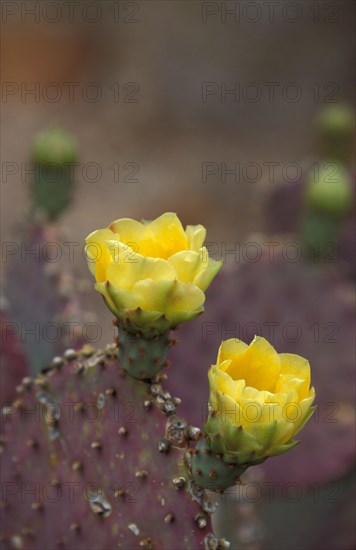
(259, 400)
(151, 274)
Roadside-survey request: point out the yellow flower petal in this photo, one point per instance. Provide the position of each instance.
(165, 236)
(154, 295)
(230, 348)
(187, 264)
(286, 382)
(97, 252)
(130, 232)
(207, 273)
(128, 267)
(185, 299)
(227, 385)
(258, 365)
(196, 236)
(122, 299)
(298, 367)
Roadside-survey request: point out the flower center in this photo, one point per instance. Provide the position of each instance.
(257, 374)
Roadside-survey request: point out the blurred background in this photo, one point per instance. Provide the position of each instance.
(236, 115)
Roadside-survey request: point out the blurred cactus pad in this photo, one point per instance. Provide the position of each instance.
(45, 299)
(319, 207)
(92, 458)
(54, 154)
(14, 364)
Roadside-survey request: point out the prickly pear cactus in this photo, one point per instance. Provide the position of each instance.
(306, 309)
(51, 316)
(284, 213)
(92, 458)
(13, 366)
(284, 207)
(317, 208)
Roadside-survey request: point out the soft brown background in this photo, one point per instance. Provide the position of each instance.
(169, 132)
(169, 52)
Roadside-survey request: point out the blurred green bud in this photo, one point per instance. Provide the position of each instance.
(336, 125)
(329, 189)
(336, 120)
(54, 146)
(54, 153)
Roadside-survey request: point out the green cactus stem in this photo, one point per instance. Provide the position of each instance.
(143, 357)
(210, 471)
